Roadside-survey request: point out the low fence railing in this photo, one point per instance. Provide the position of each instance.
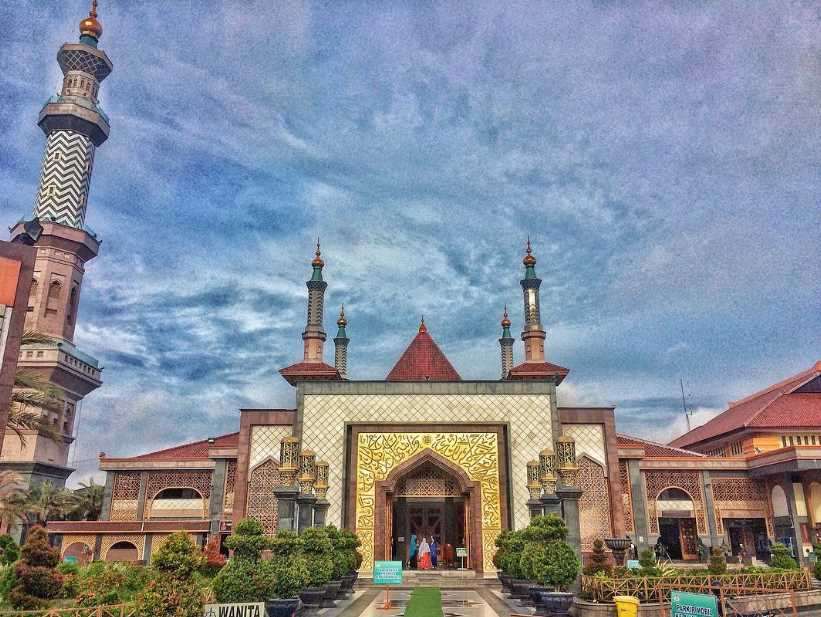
(657, 589)
(118, 610)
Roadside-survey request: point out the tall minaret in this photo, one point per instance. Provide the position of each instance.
(533, 334)
(314, 336)
(341, 341)
(74, 125)
(506, 345)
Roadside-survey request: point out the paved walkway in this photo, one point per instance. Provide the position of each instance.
(455, 603)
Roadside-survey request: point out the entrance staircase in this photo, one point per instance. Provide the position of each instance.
(443, 579)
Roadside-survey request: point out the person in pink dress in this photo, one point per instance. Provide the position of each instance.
(424, 555)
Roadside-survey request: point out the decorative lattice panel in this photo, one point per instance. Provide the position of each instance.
(589, 440)
(198, 480)
(265, 443)
(136, 540)
(230, 479)
(626, 497)
(123, 510)
(262, 503)
(124, 496)
(89, 541)
(427, 482)
(528, 416)
(594, 505)
(743, 494)
(379, 453)
(688, 481)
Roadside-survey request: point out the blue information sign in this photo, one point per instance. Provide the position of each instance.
(387, 573)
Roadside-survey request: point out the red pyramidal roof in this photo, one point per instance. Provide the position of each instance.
(423, 361)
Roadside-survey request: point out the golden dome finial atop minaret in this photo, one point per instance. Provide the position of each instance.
(318, 259)
(529, 259)
(342, 322)
(505, 319)
(91, 26)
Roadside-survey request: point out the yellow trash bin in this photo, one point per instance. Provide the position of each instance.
(626, 606)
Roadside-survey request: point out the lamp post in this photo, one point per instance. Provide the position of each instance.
(287, 490)
(567, 491)
(306, 498)
(534, 487)
(321, 491)
(551, 504)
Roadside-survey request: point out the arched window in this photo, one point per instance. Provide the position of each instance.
(72, 305)
(122, 551)
(779, 499)
(33, 293)
(178, 503)
(53, 300)
(674, 494)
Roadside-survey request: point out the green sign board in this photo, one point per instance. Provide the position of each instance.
(461, 551)
(633, 564)
(684, 604)
(70, 559)
(387, 573)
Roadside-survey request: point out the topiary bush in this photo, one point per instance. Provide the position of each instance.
(248, 540)
(9, 551)
(718, 562)
(318, 551)
(37, 578)
(8, 579)
(501, 542)
(781, 557)
(172, 592)
(554, 564)
(246, 578)
(647, 561)
(352, 543)
(71, 579)
(599, 560)
(512, 554)
(290, 565)
(544, 529)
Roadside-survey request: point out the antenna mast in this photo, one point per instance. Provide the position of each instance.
(684, 404)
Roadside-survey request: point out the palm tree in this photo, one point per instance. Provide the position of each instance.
(87, 501)
(31, 396)
(44, 502)
(12, 491)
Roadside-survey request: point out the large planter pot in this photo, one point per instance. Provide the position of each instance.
(347, 582)
(331, 591)
(521, 589)
(312, 596)
(556, 603)
(507, 581)
(282, 607)
(536, 594)
(340, 592)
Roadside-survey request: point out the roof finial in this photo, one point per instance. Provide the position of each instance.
(318, 259)
(529, 259)
(505, 319)
(90, 26)
(422, 327)
(342, 322)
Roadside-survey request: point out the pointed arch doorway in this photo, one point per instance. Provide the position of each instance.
(430, 497)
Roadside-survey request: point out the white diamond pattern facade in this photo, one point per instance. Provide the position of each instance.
(265, 443)
(589, 440)
(528, 415)
(66, 177)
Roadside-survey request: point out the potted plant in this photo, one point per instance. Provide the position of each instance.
(554, 565)
(317, 548)
(291, 574)
(511, 564)
(349, 542)
(502, 542)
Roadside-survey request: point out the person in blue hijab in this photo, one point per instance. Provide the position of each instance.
(412, 552)
(434, 551)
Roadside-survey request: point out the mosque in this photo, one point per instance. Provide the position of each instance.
(421, 451)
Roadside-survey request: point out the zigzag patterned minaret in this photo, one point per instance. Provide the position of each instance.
(75, 126)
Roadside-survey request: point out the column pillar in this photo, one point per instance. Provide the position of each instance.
(639, 502)
(105, 512)
(569, 496)
(216, 504)
(710, 508)
(141, 496)
(286, 492)
(147, 548)
(551, 504)
(305, 507)
(321, 490)
(796, 507)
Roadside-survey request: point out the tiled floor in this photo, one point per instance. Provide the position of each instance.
(461, 603)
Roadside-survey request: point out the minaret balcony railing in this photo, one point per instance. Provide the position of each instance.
(78, 100)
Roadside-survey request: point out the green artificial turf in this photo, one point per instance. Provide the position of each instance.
(425, 602)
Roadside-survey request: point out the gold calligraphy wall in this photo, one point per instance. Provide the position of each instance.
(379, 453)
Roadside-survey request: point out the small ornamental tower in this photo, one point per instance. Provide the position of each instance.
(506, 344)
(314, 336)
(533, 334)
(75, 126)
(341, 341)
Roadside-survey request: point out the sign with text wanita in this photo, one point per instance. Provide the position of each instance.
(684, 604)
(387, 573)
(243, 609)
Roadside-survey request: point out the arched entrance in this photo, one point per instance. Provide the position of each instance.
(677, 523)
(430, 497)
(123, 551)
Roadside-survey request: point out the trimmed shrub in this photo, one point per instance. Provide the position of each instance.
(512, 554)
(599, 560)
(781, 557)
(554, 564)
(71, 579)
(172, 593)
(318, 551)
(352, 542)
(245, 580)
(718, 562)
(544, 529)
(37, 578)
(290, 565)
(248, 540)
(648, 563)
(8, 579)
(9, 551)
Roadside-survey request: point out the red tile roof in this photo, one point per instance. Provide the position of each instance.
(302, 371)
(188, 451)
(779, 406)
(653, 449)
(423, 361)
(538, 370)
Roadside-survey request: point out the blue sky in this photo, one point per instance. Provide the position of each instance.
(663, 157)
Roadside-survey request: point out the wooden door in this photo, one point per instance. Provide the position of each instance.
(426, 520)
(688, 538)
